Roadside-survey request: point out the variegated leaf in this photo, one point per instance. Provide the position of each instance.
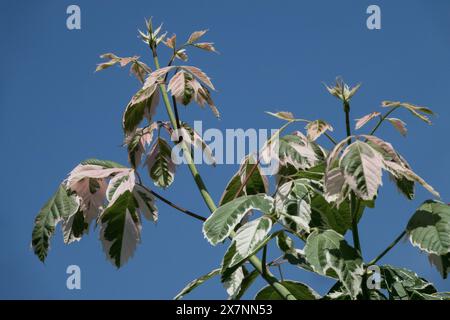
(316, 128)
(362, 121)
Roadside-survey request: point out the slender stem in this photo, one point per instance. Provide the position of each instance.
(381, 121)
(385, 251)
(268, 276)
(330, 138)
(347, 121)
(173, 205)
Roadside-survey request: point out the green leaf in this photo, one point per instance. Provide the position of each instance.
(325, 215)
(249, 278)
(160, 165)
(403, 284)
(223, 220)
(74, 226)
(120, 229)
(248, 238)
(361, 166)
(417, 111)
(329, 254)
(195, 283)
(142, 105)
(442, 263)
(59, 207)
(429, 227)
(299, 290)
(256, 183)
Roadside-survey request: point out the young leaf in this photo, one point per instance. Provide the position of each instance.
(59, 207)
(329, 254)
(400, 172)
(208, 46)
(283, 115)
(196, 141)
(316, 128)
(196, 35)
(256, 183)
(299, 290)
(195, 283)
(223, 220)
(361, 166)
(160, 165)
(142, 105)
(362, 121)
(399, 125)
(417, 111)
(137, 142)
(199, 74)
(429, 228)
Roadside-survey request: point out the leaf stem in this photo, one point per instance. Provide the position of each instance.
(385, 251)
(381, 121)
(268, 276)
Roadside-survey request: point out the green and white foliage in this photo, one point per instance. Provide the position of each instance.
(100, 191)
(160, 165)
(317, 201)
(358, 168)
(60, 206)
(403, 284)
(429, 230)
(249, 173)
(223, 220)
(329, 254)
(293, 204)
(299, 290)
(195, 283)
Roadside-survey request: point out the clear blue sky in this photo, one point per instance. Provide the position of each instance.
(56, 112)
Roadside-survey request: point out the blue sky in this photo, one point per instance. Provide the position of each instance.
(55, 112)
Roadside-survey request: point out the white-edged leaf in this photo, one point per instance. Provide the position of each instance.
(362, 167)
(429, 228)
(59, 207)
(195, 283)
(299, 290)
(233, 283)
(248, 238)
(293, 203)
(329, 254)
(120, 229)
(223, 220)
(159, 162)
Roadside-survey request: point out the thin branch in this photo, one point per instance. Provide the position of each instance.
(385, 251)
(173, 205)
(381, 121)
